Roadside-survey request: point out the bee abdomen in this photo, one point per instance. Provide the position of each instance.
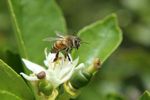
(58, 46)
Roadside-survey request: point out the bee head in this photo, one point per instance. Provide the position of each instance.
(77, 41)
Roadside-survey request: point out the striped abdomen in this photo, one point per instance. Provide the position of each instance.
(59, 46)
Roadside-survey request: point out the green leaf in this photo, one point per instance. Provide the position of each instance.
(33, 21)
(6, 35)
(5, 95)
(13, 60)
(145, 96)
(12, 82)
(103, 38)
(114, 97)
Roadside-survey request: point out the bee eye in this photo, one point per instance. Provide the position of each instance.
(76, 42)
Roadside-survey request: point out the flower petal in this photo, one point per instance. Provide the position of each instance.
(35, 68)
(68, 66)
(75, 62)
(80, 67)
(68, 76)
(30, 78)
(52, 77)
(67, 70)
(46, 63)
(45, 51)
(49, 59)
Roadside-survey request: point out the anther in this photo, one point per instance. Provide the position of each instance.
(41, 75)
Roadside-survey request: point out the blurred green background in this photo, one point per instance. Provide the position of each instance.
(126, 74)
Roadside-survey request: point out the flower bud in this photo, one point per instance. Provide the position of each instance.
(82, 77)
(94, 67)
(45, 87)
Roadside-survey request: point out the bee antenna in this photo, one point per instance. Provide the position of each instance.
(84, 42)
(73, 34)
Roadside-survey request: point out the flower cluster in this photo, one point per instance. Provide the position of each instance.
(55, 73)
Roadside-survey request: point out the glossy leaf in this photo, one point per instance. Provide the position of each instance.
(5, 95)
(12, 82)
(103, 38)
(13, 60)
(145, 96)
(114, 97)
(33, 21)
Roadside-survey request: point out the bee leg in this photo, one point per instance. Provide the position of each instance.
(67, 54)
(56, 57)
(68, 57)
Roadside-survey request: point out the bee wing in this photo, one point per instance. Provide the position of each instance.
(59, 34)
(50, 39)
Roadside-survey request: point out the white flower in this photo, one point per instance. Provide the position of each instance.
(57, 72)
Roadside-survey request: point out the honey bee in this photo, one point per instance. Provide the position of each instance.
(65, 44)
